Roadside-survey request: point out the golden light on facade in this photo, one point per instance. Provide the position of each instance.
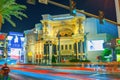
(68, 29)
(29, 53)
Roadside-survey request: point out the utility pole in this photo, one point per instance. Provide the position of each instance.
(117, 6)
(59, 60)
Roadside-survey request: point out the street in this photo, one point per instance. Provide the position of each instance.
(32, 72)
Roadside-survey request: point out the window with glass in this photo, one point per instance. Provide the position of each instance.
(66, 47)
(70, 46)
(61, 47)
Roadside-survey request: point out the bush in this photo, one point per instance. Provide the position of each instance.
(74, 60)
(85, 61)
(77, 60)
(53, 59)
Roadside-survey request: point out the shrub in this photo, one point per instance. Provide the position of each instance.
(74, 60)
(77, 60)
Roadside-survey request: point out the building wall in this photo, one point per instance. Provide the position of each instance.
(91, 55)
(30, 40)
(90, 25)
(93, 26)
(97, 31)
(107, 28)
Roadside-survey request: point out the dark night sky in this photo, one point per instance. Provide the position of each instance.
(34, 12)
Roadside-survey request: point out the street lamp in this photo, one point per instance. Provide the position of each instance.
(59, 46)
(72, 7)
(101, 17)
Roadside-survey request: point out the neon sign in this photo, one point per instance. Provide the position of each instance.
(2, 37)
(15, 40)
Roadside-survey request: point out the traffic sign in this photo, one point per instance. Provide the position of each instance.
(118, 41)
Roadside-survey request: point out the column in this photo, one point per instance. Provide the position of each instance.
(54, 53)
(45, 52)
(33, 53)
(81, 44)
(59, 55)
(77, 49)
(50, 53)
(81, 49)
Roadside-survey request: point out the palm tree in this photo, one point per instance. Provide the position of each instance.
(9, 8)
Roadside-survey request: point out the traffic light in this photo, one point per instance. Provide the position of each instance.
(117, 41)
(101, 17)
(72, 7)
(43, 1)
(31, 2)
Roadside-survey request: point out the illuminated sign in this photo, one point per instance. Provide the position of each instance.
(9, 37)
(2, 36)
(15, 33)
(62, 18)
(15, 45)
(1, 43)
(15, 40)
(95, 45)
(15, 53)
(1, 52)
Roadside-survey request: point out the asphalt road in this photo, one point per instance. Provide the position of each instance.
(16, 76)
(57, 73)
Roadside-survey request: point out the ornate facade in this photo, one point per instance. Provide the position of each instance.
(59, 38)
(64, 37)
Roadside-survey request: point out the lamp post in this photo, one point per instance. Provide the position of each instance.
(49, 51)
(59, 47)
(45, 51)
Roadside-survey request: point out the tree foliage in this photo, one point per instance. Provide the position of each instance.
(106, 52)
(9, 8)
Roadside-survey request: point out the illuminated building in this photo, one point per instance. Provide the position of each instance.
(67, 37)
(71, 33)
